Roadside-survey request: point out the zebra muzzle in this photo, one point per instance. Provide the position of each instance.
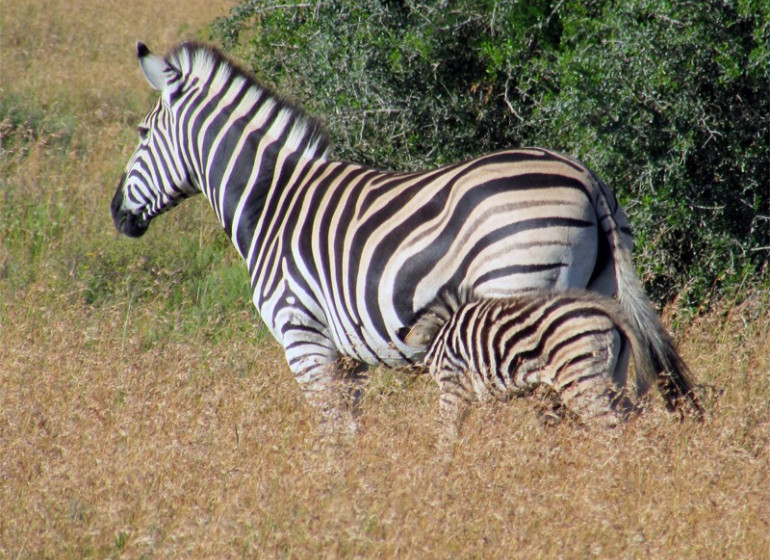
(126, 222)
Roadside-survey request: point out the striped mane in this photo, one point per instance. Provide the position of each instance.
(203, 62)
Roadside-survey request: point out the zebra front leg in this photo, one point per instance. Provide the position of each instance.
(330, 382)
(333, 390)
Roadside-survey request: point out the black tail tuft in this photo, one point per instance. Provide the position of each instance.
(675, 380)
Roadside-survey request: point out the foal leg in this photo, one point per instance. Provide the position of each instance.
(585, 380)
(455, 395)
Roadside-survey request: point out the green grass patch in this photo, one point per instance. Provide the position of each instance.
(23, 123)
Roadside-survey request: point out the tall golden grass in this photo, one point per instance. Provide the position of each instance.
(125, 434)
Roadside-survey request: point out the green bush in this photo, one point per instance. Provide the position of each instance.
(667, 101)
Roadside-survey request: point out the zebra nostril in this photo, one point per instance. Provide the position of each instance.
(131, 225)
(126, 223)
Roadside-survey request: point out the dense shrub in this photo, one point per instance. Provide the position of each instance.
(668, 101)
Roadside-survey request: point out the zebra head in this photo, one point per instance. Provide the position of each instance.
(155, 178)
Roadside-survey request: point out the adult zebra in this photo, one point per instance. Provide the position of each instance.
(340, 255)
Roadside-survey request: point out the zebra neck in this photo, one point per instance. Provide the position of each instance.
(249, 162)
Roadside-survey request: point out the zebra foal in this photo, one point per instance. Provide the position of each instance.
(574, 342)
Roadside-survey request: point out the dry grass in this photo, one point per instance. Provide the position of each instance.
(113, 448)
(123, 435)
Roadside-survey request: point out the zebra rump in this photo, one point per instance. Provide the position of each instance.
(575, 342)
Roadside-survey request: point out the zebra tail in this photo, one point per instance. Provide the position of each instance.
(669, 370)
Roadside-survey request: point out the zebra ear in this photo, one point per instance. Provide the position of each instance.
(402, 333)
(158, 71)
(415, 337)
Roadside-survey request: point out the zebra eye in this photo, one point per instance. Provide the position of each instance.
(144, 132)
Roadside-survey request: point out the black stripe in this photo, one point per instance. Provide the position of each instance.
(516, 269)
(417, 267)
(578, 380)
(277, 235)
(244, 163)
(583, 334)
(510, 334)
(194, 128)
(553, 326)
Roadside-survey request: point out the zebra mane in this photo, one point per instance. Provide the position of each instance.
(202, 60)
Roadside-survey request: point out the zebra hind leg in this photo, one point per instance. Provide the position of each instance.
(585, 385)
(595, 402)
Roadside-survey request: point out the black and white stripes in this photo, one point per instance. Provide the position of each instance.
(574, 342)
(342, 256)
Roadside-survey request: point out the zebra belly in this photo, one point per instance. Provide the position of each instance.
(349, 334)
(371, 349)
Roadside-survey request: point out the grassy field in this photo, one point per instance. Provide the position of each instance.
(145, 414)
